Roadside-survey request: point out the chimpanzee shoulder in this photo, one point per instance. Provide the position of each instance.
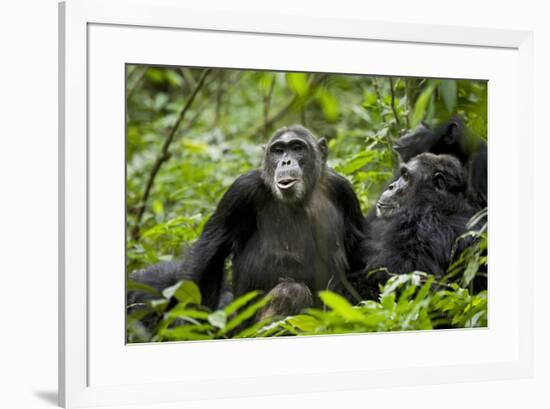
(245, 191)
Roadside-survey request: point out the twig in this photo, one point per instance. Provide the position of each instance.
(377, 91)
(219, 98)
(164, 155)
(411, 91)
(284, 109)
(188, 76)
(267, 104)
(387, 136)
(133, 87)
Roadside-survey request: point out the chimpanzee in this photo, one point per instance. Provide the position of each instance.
(294, 218)
(416, 222)
(451, 138)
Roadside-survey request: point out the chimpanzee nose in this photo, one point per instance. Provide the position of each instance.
(285, 162)
(391, 186)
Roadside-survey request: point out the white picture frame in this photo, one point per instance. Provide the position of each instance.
(95, 369)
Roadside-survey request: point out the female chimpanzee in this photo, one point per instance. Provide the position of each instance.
(416, 222)
(294, 219)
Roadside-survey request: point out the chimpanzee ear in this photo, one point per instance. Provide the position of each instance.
(439, 181)
(263, 146)
(323, 147)
(451, 133)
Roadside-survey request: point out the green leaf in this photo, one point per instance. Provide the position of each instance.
(397, 281)
(187, 332)
(297, 82)
(388, 301)
(423, 292)
(258, 329)
(340, 305)
(422, 102)
(266, 80)
(193, 146)
(244, 315)
(186, 292)
(369, 99)
(357, 162)
(304, 323)
(449, 92)
(135, 286)
(218, 319)
(471, 269)
(158, 305)
(155, 75)
(476, 218)
(240, 302)
(158, 207)
(329, 105)
(183, 313)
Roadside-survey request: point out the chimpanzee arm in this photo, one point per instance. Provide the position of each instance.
(354, 222)
(229, 227)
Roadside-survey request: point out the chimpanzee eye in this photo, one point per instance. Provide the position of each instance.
(298, 147)
(277, 150)
(405, 176)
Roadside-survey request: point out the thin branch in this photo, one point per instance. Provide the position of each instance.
(411, 91)
(267, 104)
(303, 115)
(377, 91)
(274, 118)
(164, 155)
(133, 87)
(219, 98)
(285, 108)
(387, 137)
(187, 75)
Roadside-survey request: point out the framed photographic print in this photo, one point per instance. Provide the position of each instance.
(270, 193)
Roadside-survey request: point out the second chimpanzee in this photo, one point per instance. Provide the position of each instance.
(295, 218)
(416, 223)
(451, 137)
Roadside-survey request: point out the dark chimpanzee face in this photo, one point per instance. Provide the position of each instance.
(293, 163)
(437, 173)
(413, 143)
(399, 191)
(448, 138)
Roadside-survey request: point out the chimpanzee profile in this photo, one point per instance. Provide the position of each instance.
(451, 137)
(416, 222)
(294, 218)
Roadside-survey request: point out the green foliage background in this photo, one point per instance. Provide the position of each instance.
(191, 132)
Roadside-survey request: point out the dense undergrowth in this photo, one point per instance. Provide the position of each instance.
(191, 132)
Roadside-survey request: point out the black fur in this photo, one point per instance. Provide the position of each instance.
(418, 233)
(451, 138)
(309, 232)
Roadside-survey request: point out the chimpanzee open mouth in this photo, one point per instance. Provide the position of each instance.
(386, 210)
(286, 183)
(384, 206)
